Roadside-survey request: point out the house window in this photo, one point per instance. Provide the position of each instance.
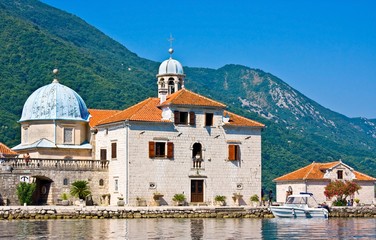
(65, 181)
(180, 117)
(103, 154)
(208, 119)
(116, 185)
(101, 182)
(159, 150)
(233, 152)
(68, 135)
(192, 118)
(113, 150)
(339, 174)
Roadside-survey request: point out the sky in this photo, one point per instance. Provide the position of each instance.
(324, 49)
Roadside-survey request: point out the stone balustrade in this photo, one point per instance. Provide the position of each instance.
(58, 164)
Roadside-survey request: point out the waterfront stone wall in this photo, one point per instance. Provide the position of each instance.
(82, 212)
(60, 181)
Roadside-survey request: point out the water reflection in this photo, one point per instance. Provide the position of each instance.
(189, 229)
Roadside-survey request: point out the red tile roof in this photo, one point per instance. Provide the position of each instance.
(236, 120)
(5, 150)
(100, 114)
(316, 171)
(188, 98)
(146, 110)
(149, 110)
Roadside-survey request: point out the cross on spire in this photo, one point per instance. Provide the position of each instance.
(171, 50)
(171, 39)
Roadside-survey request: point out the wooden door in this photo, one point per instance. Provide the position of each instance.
(197, 190)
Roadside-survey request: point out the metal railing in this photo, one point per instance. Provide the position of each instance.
(57, 164)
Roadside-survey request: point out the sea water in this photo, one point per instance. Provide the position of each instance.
(195, 228)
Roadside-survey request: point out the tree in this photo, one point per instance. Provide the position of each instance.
(25, 192)
(80, 189)
(341, 189)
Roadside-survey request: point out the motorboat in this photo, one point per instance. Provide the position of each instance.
(296, 206)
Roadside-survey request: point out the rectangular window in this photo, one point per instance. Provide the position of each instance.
(116, 185)
(103, 154)
(68, 135)
(113, 150)
(339, 174)
(161, 150)
(208, 119)
(233, 152)
(180, 117)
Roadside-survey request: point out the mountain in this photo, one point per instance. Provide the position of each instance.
(36, 38)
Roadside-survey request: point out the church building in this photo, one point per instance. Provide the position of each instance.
(177, 143)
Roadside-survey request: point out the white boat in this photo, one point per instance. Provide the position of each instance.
(296, 206)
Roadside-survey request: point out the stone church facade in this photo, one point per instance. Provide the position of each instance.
(178, 143)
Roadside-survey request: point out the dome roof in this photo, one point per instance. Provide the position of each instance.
(170, 66)
(55, 101)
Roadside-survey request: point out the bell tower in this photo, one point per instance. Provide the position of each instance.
(170, 76)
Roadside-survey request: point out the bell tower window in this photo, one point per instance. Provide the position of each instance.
(171, 86)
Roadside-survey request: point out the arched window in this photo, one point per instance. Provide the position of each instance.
(101, 182)
(197, 150)
(171, 86)
(197, 155)
(65, 182)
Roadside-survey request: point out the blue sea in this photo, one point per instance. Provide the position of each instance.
(195, 228)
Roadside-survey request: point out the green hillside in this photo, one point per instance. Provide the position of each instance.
(36, 38)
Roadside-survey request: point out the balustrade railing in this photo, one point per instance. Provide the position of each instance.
(198, 163)
(58, 164)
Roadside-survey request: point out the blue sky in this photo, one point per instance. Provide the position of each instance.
(324, 49)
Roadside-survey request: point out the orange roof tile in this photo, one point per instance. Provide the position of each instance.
(98, 115)
(316, 171)
(5, 150)
(186, 97)
(146, 110)
(237, 120)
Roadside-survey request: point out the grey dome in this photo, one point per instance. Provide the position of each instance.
(55, 101)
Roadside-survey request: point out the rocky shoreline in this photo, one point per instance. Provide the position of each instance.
(96, 212)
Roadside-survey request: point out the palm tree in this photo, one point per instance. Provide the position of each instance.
(80, 189)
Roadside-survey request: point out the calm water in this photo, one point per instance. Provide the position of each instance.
(189, 229)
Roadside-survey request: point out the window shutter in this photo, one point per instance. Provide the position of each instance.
(231, 152)
(113, 150)
(192, 118)
(176, 117)
(151, 150)
(170, 150)
(103, 154)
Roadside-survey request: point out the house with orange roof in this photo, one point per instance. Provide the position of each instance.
(314, 177)
(179, 143)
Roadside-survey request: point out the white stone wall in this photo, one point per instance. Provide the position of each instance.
(366, 194)
(220, 176)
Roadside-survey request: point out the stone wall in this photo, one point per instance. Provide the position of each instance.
(9, 181)
(74, 212)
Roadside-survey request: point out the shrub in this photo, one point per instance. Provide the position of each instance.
(254, 198)
(80, 189)
(220, 198)
(25, 192)
(179, 197)
(341, 189)
(64, 196)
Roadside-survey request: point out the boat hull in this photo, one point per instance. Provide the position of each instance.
(293, 212)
